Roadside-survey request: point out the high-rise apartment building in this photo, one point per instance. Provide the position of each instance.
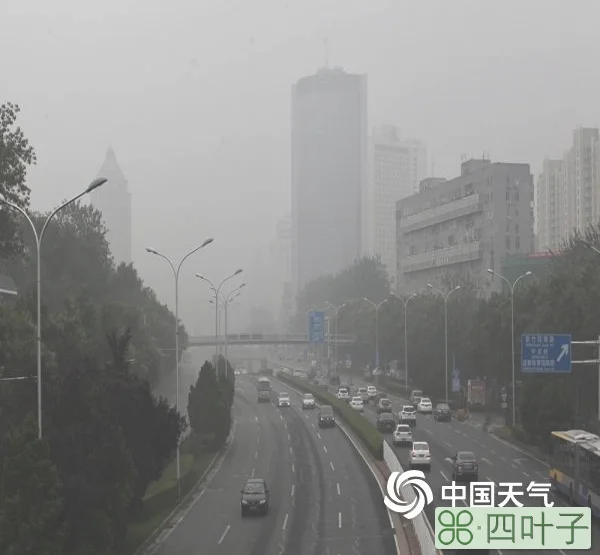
(568, 191)
(113, 199)
(465, 225)
(329, 172)
(396, 167)
(547, 205)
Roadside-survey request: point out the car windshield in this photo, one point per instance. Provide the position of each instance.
(308, 396)
(254, 487)
(403, 428)
(362, 389)
(408, 409)
(425, 400)
(385, 402)
(443, 407)
(420, 446)
(356, 400)
(343, 390)
(466, 456)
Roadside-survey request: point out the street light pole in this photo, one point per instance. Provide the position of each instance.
(217, 290)
(229, 298)
(99, 181)
(405, 303)
(512, 336)
(335, 343)
(446, 296)
(176, 276)
(377, 307)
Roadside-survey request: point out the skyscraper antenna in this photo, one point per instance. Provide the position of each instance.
(326, 52)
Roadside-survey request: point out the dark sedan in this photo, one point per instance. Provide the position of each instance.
(441, 413)
(255, 497)
(465, 466)
(384, 405)
(386, 422)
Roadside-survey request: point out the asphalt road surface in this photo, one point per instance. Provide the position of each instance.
(499, 461)
(324, 501)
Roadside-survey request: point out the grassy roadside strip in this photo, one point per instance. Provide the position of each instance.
(506, 434)
(363, 429)
(161, 497)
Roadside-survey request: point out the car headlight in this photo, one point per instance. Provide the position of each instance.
(262, 502)
(244, 502)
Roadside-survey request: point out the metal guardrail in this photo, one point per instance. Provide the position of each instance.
(264, 339)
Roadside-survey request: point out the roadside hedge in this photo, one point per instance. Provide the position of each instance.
(363, 429)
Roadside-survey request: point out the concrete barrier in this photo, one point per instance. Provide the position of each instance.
(422, 528)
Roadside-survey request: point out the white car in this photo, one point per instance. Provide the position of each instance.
(408, 415)
(363, 394)
(371, 391)
(419, 455)
(402, 435)
(425, 406)
(357, 404)
(343, 394)
(283, 400)
(308, 401)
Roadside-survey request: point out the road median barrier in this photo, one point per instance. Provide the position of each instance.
(362, 428)
(420, 524)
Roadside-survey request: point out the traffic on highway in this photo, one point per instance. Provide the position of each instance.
(426, 437)
(287, 484)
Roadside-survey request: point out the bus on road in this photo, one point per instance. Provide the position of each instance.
(264, 389)
(575, 467)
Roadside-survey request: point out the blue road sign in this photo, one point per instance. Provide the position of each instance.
(316, 327)
(545, 353)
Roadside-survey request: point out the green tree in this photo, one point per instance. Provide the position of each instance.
(16, 155)
(31, 496)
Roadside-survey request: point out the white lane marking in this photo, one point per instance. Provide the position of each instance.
(447, 444)
(331, 465)
(293, 490)
(486, 461)
(224, 534)
(561, 551)
(503, 458)
(253, 470)
(493, 452)
(291, 452)
(256, 418)
(448, 459)
(338, 489)
(514, 466)
(281, 416)
(285, 521)
(293, 469)
(285, 425)
(444, 476)
(339, 520)
(489, 479)
(526, 475)
(257, 439)
(325, 448)
(318, 435)
(429, 432)
(256, 455)
(314, 426)
(289, 437)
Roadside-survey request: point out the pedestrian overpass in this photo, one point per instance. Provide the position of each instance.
(265, 339)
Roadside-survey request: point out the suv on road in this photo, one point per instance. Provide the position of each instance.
(308, 401)
(465, 466)
(384, 405)
(402, 435)
(343, 394)
(326, 417)
(408, 415)
(283, 400)
(371, 392)
(363, 394)
(442, 412)
(386, 422)
(419, 455)
(255, 497)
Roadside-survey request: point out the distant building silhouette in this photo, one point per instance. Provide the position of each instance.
(113, 199)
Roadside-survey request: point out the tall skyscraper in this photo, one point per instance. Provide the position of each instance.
(329, 172)
(113, 199)
(547, 205)
(396, 168)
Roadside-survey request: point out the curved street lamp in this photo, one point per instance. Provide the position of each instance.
(176, 276)
(335, 344)
(405, 303)
(376, 306)
(446, 296)
(217, 290)
(99, 181)
(229, 298)
(512, 335)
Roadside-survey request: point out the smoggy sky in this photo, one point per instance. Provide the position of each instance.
(195, 99)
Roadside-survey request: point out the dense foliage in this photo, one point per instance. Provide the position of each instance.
(105, 337)
(564, 300)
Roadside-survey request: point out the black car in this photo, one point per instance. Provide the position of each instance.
(326, 417)
(384, 405)
(255, 497)
(386, 422)
(465, 466)
(441, 413)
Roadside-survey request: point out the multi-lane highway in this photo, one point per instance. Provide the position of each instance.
(500, 462)
(324, 501)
